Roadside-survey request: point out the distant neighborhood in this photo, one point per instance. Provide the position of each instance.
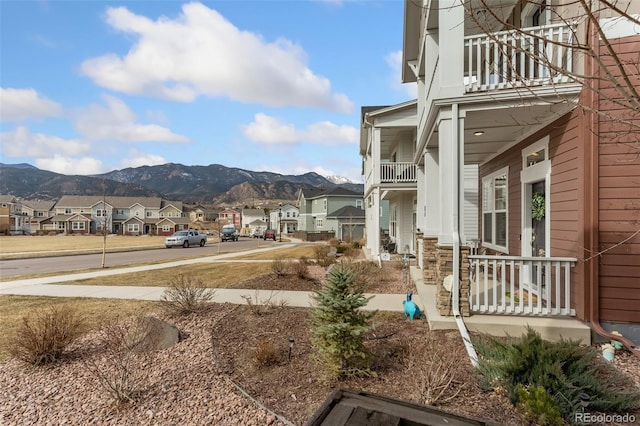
(335, 212)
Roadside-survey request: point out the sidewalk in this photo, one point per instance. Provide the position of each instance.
(50, 286)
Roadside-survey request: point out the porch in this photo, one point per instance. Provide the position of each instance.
(528, 57)
(516, 285)
(551, 328)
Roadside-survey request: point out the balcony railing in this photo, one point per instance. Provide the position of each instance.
(520, 285)
(398, 173)
(528, 57)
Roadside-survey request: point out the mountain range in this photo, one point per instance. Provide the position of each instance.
(213, 184)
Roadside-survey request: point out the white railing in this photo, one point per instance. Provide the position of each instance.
(526, 57)
(398, 173)
(520, 285)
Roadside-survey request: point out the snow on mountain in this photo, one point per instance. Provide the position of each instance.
(338, 180)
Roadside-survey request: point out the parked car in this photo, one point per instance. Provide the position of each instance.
(185, 239)
(229, 233)
(257, 233)
(269, 234)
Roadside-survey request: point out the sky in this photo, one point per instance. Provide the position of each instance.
(89, 87)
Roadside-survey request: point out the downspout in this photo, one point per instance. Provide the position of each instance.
(594, 195)
(455, 289)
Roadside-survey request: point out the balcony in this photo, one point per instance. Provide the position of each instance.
(398, 173)
(538, 286)
(539, 56)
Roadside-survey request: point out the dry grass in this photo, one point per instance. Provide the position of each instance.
(36, 246)
(213, 275)
(97, 312)
(296, 252)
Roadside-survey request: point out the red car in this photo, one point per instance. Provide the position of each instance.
(269, 234)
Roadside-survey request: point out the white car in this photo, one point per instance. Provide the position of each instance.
(186, 239)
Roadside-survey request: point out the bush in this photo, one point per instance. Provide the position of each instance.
(280, 266)
(301, 268)
(118, 371)
(572, 375)
(265, 354)
(323, 255)
(186, 294)
(537, 407)
(339, 325)
(43, 337)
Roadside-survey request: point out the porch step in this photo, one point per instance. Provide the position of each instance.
(550, 328)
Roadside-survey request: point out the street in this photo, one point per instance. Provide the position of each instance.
(13, 268)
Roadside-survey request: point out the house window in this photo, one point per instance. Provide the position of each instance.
(77, 226)
(40, 214)
(319, 223)
(359, 204)
(494, 210)
(324, 205)
(393, 214)
(101, 213)
(60, 225)
(288, 214)
(67, 211)
(166, 228)
(133, 227)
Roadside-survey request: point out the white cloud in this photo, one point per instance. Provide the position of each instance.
(138, 158)
(394, 61)
(202, 53)
(71, 165)
(116, 121)
(270, 130)
(22, 143)
(24, 104)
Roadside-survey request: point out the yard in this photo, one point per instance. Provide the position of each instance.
(201, 379)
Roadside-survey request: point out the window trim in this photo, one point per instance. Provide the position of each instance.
(490, 178)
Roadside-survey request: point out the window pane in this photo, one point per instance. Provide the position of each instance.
(487, 230)
(486, 196)
(501, 229)
(501, 193)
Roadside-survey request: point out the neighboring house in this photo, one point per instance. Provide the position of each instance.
(251, 215)
(556, 188)
(349, 222)
(120, 215)
(316, 204)
(12, 219)
(284, 218)
(201, 213)
(36, 213)
(232, 216)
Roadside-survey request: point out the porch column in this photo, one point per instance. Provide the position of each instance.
(431, 203)
(375, 154)
(451, 53)
(373, 218)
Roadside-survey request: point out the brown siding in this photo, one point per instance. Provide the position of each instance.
(566, 219)
(619, 200)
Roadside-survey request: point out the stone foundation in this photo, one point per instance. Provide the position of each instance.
(438, 263)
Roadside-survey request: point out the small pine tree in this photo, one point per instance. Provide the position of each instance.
(339, 325)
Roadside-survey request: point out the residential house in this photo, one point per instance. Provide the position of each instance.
(229, 215)
(252, 218)
(317, 208)
(284, 218)
(201, 213)
(123, 215)
(393, 180)
(349, 222)
(558, 184)
(12, 219)
(36, 212)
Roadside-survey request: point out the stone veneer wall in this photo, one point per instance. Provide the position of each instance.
(438, 263)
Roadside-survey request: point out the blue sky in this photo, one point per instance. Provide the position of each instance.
(94, 86)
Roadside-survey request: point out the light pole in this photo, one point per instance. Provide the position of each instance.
(280, 219)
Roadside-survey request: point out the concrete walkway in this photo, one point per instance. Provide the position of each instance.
(50, 286)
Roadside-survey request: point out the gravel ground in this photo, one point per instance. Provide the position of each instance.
(183, 387)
